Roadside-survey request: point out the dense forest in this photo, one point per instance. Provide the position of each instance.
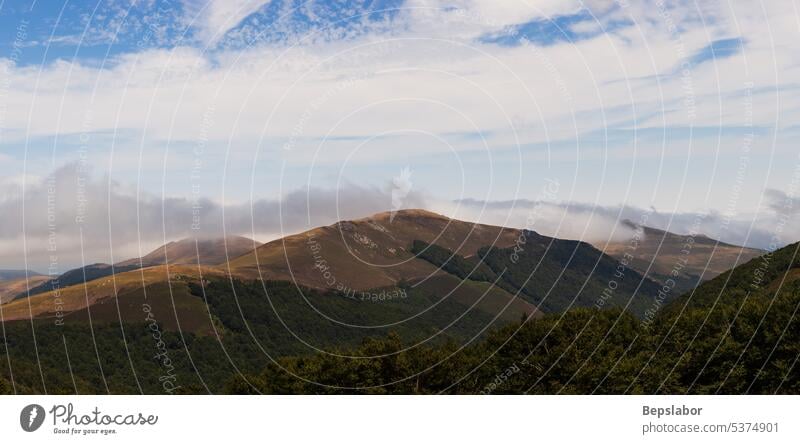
(553, 274)
(737, 333)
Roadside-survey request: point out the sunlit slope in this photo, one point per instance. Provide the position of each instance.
(688, 260)
(367, 253)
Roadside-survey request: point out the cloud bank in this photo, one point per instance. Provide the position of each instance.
(72, 217)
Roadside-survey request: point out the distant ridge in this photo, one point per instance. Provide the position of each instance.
(662, 254)
(16, 274)
(188, 251)
(195, 251)
(11, 288)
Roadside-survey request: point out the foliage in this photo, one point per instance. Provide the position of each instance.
(738, 333)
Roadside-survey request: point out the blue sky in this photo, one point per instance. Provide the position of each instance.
(559, 29)
(627, 104)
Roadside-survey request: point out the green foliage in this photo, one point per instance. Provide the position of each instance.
(465, 268)
(730, 337)
(738, 333)
(580, 352)
(285, 319)
(557, 274)
(254, 323)
(553, 274)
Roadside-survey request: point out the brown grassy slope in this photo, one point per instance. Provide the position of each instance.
(367, 253)
(12, 287)
(80, 296)
(194, 251)
(706, 257)
(362, 254)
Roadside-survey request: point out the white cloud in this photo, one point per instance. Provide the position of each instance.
(275, 90)
(88, 219)
(73, 216)
(427, 73)
(214, 18)
(598, 224)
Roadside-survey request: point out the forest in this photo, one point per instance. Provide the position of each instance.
(735, 334)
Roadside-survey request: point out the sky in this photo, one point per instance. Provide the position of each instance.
(125, 124)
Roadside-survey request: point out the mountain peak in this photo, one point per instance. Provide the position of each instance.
(408, 214)
(369, 252)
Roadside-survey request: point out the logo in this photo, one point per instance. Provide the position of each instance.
(31, 417)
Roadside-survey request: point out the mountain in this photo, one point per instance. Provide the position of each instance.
(414, 245)
(195, 251)
(453, 305)
(183, 252)
(501, 272)
(738, 333)
(687, 260)
(367, 253)
(366, 287)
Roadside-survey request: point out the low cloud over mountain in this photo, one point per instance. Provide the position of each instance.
(73, 217)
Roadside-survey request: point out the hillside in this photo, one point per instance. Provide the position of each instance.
(452, 332)
(687, 260)
(11, 288)
(367, 253)
(737, 334)
(415, 245)
(183, 252)
(412, 249)
(553, 274)
(195, 251)
(766, 277)
(66, 300)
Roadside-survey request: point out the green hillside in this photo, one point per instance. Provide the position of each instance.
(738, 333)
(553, 274)
(747, 340)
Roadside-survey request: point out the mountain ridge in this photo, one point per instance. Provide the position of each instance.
(357, 256)
(681, 260)
(187, 251)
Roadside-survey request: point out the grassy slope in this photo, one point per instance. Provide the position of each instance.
(13, 287)
(696, 258)
(366, 253)
(78, 297)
